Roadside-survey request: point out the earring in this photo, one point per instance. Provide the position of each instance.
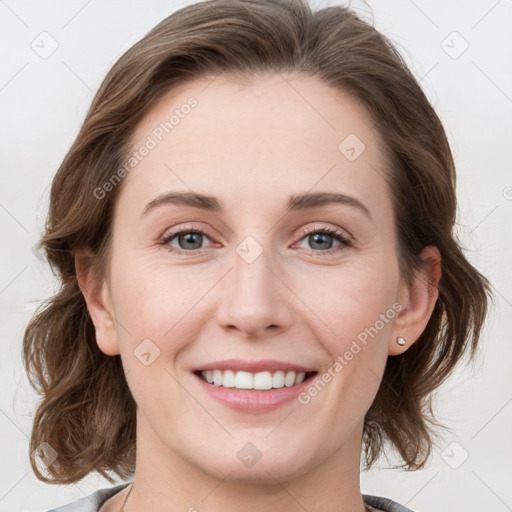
(400, 341)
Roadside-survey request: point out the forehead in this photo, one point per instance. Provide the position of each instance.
(256, 142)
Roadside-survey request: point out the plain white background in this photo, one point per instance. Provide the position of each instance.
(461, 51)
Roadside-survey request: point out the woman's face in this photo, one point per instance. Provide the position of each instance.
(249, 275)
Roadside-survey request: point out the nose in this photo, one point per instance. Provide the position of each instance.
(254, 299)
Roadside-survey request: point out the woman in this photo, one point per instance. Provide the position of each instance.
(248, 370)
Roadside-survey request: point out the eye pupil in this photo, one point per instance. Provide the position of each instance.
(190, 238)
(320, 238)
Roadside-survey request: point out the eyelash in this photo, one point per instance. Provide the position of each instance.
(338, 235)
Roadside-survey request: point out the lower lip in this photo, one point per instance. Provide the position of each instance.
(254, 401)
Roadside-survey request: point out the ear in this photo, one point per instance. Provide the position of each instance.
(97, 296)
(418, 302)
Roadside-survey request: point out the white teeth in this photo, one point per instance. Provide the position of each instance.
(262, 380)
(217, 377)
(243, 380)
(247, 380)
(289, 379)
(278, 379)
(299, 378)
(228, 380)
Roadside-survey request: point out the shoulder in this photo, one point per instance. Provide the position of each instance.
(384, 504)
(91, 503)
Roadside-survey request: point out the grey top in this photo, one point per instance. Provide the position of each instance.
(94, 502)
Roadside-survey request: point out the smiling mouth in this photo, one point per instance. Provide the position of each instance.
(260, 381)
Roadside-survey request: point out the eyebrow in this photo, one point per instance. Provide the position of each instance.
(296, 202)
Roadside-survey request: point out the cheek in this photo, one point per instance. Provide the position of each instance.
(353, 315)
(351, 299)
(158, 302)
(156, 322)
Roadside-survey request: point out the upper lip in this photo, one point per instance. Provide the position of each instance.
(254, 366)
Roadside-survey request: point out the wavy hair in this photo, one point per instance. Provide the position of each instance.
(86, 412)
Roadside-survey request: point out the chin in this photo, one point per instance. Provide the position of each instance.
(246, 465)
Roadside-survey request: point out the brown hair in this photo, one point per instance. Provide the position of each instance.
(87, 413)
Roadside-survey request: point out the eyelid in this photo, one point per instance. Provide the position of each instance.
(196, 226)
(327, 229)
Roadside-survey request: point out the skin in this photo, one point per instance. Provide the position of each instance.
(252, 145)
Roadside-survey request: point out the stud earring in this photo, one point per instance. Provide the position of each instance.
(400, 341)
